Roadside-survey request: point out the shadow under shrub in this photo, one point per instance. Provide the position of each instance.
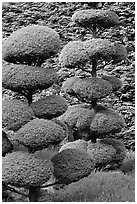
(98, 187)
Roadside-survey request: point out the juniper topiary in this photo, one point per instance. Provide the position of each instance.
(22, 169)
(15, 114)
(31, 45)
(26, 80)
(39, 134)
(93, 88)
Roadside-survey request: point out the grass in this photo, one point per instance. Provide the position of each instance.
(98, 187)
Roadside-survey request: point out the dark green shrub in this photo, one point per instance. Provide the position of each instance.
(49, 107)
(26, 80)
(128, 164)
(15, 114)
(6, 144)
(31, 45)
(24, 170)
(115, 82)
(40, 133)
(70, 165)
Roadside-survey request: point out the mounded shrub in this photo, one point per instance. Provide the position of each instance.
(24, 170)
(128, 164)
(49, 107)
(106, 121)
(6, 144)
(70, 165)
(31, 45)
(100, 18)
(15, 114)
(92, 88)
(27, 79)
(114, 81)
(39, 134)
(78, 52)
(78, 116)
(68, 84)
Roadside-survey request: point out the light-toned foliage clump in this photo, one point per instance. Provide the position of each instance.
(101, 18)
(31, 45)
(40, 133)
(78, 52)
(15, 113)
(24, 170)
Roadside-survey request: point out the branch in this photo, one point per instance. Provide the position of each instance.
(10, 188)
(51, 184)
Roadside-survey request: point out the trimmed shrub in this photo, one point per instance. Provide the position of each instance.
(128, 164)
(31, 45)
(78, 52)
(70, 165)
(121, 151)
(69, 83)
(98, 187)
(102, 154)
(77, 116)
(100, 18)
(15, 114)
(6, 144)
(115, 82)
(22, 169)
(27, 79)
(49, 107)
(39, 134)
(106, 121)
(92, 88)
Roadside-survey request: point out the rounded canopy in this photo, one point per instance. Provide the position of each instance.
(31, 45)
(100, 18)
(25, 170)
(70, 165)
(24, 78)
(6, 144)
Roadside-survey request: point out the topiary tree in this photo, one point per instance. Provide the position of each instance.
(15, 114)
(31, 45)
(6, 144)
(70, 165)
(104, 121)
(26, 80)
(22, 169)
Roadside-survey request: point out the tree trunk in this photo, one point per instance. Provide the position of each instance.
(34, 194)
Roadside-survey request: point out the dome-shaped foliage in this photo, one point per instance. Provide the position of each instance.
(15, 113)
(114, 81)
(128, 164)
(78, 144)
(68, 84)
(106, 121)
(77, 52)
(100, 18)
(121, 151)
(77, 116)
(6, 144)
(92, 88)
(102, 154)
(24, 170)
(49, 107)
(24, 78)
(39, 134)
(70, 165)
(31, 45)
